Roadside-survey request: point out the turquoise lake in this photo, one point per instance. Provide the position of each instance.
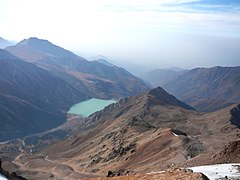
(88, 107)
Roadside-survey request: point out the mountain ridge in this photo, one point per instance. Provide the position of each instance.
(138, 134)
(107, 81)
(159, 77)
(206, 89)
(42, 45)
(207, 83)
(26, 102)
(5, 43)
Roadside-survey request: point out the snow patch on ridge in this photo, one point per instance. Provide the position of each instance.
(217, 171)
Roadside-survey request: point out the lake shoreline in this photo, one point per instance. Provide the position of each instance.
(90, 106)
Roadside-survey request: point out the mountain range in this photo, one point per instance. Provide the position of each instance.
(41, 81)
(159, 77)
(206, 89)
(98, 78)
(5, 43)
(193, 121)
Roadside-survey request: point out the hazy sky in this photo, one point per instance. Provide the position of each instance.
(161, 33)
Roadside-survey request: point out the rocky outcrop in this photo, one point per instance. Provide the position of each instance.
(121, 172)
(235, 119)
(228, 154)
(120, 151)
(10, 176)
(193, 147)
(176, 173)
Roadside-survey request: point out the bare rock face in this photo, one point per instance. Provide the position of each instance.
(120, 151)
(120, 172)
(235, 119)
(12, 175)
(229, 153)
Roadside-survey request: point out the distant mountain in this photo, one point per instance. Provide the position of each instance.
(101, 59)
(34, 49)
(159, 77)
(104, 80)
(143, 133)
(36, 94)
(32, 99)
(5, 43)
(104, 61)
(207, 89)
(174, 69)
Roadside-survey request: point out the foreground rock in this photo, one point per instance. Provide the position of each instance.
(12, 175)
(170, 174)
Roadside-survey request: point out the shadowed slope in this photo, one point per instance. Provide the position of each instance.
(32, 99)
(100, 79)
(207, 89)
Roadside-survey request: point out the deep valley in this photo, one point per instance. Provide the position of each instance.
(123, 127)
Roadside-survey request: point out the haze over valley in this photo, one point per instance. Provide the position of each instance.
(120, 89)
(156, 34)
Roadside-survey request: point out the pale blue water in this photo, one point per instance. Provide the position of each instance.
(88, 107)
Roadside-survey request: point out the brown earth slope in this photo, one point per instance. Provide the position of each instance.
(149, 132)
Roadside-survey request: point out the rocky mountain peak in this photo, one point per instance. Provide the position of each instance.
(43, 46)
(160, 96)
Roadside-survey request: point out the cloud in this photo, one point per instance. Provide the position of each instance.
(194, 16)
(190, 6)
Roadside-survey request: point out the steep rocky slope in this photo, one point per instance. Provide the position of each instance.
(103, 80)
(32, 99)
(149, 132)
(207, 89)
